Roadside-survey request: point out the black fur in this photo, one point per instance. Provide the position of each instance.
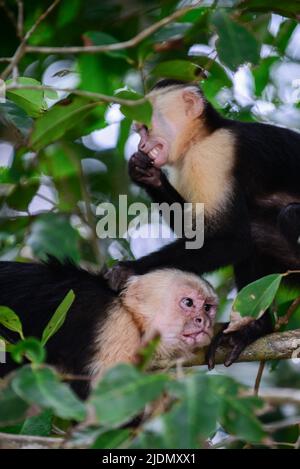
(258, 232)
(34, 291)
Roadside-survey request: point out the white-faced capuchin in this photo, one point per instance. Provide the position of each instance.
(102, 328)
(248, 177)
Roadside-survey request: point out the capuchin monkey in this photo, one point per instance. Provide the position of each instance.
(248, 177)
(102, 328)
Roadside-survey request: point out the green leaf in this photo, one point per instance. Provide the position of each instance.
(111, 439)
(240, 418)
(262, 74)
(177, 69)
(215, 71)
(32, 101)
(58, 317)
(43, 388)
(146, 354)
(67, 12)
(187, 424)
(193, 15)
(12, 407)
(39, 425)
(99, 38)
(286, 8)
(237, 414)
(235, 45)
(256, 297)
(23, 193)
(171, 32)
(284, 35)
(30, 348)
(13, 114)
(62, 117)
(10, 320)
(125, 126)
(140, 112)
(52, 234)
(123, 393)
(93, 76)
(55, 162)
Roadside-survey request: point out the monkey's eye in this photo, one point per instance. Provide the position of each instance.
(136, 127)
(207, 307)
(187, 302)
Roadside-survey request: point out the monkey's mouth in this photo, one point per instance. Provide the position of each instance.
(159, 155)
(193, 338)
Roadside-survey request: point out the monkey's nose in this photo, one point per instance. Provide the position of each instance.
(198, 321)
(142, 145)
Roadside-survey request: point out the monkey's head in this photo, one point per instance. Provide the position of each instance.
(177, 107)
(178, 306)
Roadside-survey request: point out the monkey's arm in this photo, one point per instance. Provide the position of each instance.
(229, 243)
(216, 252)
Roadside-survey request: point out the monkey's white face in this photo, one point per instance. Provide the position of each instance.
(178, 306)
(174, 113)
(186, 320)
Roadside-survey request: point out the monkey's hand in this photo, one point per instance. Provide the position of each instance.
(118, 275)
(142, 171)
(238, 340)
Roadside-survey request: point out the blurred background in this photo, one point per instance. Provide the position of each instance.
(60, 158)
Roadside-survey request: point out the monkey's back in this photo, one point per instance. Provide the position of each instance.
(34, 291)
(268, 158)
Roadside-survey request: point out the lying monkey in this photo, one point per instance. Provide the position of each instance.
(102, 328)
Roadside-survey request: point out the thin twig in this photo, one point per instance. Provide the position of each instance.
(46, 199)
(40, 19)
(20, 24)
(278, 396)
(118, 45)
(275, 426)
(5, 59)
(24, 48)
(284, 320)
(86, 94)
(259, 377)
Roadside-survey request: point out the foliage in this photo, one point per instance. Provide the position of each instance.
(57, 174)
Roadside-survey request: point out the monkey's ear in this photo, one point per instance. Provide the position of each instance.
(194, 104)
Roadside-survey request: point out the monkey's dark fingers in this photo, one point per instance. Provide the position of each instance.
(140, 159)
(146, 177)
(143, 172)
(234, 354)
(219, 340)
(117, 276)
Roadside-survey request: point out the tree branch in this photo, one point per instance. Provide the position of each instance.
(284, 320)
(10, 441)
(24, 48)
(86, 94)
(115, 46)
(21, 50)
(20, 23)
(277, 346)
